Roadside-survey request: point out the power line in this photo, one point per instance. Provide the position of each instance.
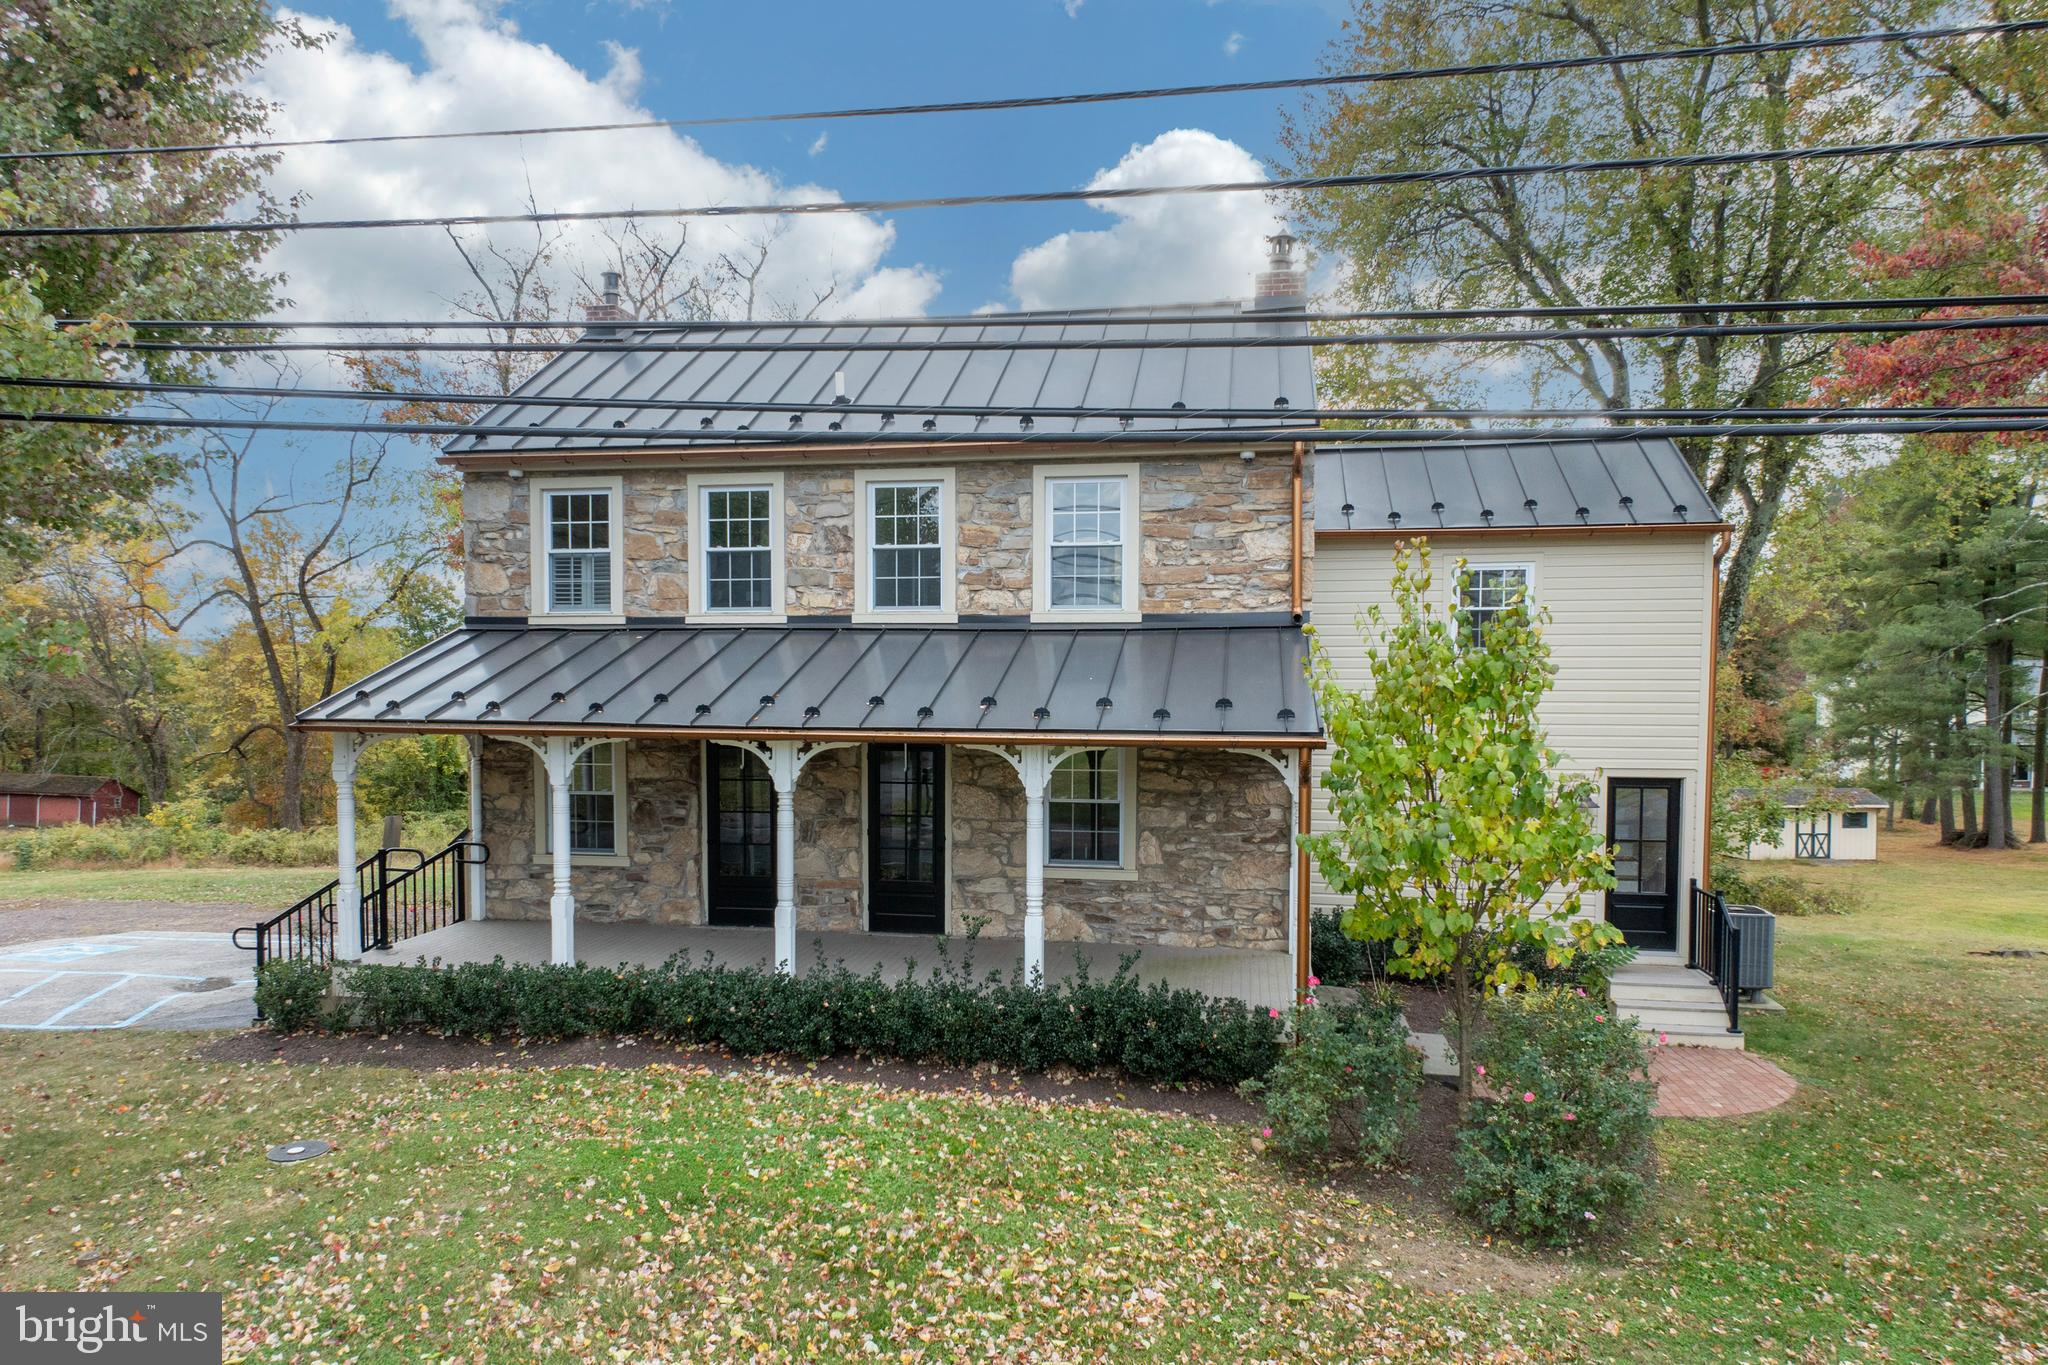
(1091, 97)
(985, 411)
(1085, 318)
(1276, 341)
(1691, 160)
(1226, 435)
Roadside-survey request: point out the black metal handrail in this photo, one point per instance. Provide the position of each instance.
(306, 929)
(1716, 949)
(428, 896)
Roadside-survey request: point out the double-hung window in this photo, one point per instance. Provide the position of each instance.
(577, 547)
(597, 825)
(738, 542)
(906, 544)
(1086, 556)
(1087, 810)
(1487, 591)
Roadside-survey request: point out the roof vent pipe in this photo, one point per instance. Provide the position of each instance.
(608, 308)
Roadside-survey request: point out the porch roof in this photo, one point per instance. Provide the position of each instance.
(1230, 682)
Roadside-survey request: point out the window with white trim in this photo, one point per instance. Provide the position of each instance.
(578, 540)
(1085, 543)
(1487, 591)
(1087, 810)
(596, 808)
(906, 545)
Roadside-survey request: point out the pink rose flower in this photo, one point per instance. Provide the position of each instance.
(1528, 1097)
(1265, 1132)
(1663, 1038)
(1315, 981)
(1272, 1014)
(1479, 1071)
(1569, 1116)
(1599, 1018)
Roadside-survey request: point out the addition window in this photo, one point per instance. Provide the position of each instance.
(738, 538)
(1488, 590)
(1085, 560)
(1087, 810)
(597, 822)
(1855, 819)
(906, 544)
(577, 539)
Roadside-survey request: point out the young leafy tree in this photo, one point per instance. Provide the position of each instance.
(1458, 835)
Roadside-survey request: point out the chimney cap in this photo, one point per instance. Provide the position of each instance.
(1280, 284)
(608, 308)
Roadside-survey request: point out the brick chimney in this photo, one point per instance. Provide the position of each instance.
(1280, 285)
(608, 308)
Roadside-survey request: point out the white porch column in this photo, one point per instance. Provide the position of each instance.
(559, 757)
(475, 874)
(782, 772)
(348, 897)
(1034, 766)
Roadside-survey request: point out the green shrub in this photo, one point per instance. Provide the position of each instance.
(1554, 1149)
(1781, 893)
(185, 835)
(292, 994)
(1591, 966)
(1346, 1088)
(947, 1016)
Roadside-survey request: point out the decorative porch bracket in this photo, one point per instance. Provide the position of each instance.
(1034, 764)
(785, 760)
(558, 755)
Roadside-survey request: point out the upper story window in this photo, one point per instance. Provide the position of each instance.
(1487, 591)
(738, 539)
(578, 540)
(1085, 560)
(597, 820)
(1087, 809)
(905, 544)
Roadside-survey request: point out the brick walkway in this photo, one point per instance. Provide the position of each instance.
(1715, 1083)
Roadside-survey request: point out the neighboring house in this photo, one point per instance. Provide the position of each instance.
(1845, 831)
(914, 663)
(31, 800)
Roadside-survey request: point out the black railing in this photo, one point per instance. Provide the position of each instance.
(1716, 949)
(398, 901)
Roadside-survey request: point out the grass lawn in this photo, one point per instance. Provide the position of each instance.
(271, 886)
(1893, 1211)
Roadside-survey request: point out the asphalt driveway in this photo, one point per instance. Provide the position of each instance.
(141, 978)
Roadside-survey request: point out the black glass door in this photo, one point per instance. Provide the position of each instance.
(906, 838)
(1642, 828)
(739, 882)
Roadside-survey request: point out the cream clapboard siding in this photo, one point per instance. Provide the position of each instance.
(1629, 634)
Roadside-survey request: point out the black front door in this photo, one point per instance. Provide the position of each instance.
(1642, 828)
(906, 838)
(739, 884)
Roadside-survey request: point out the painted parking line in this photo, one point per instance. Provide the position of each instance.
(29, 987)
(134, 979)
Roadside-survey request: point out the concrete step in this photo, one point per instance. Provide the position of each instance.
(1658, 973)
(1721, 1038)
(1675, 990)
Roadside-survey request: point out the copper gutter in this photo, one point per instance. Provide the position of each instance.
(1713, 697)
(1455, 532)
(1294, 548)
(1087, 738)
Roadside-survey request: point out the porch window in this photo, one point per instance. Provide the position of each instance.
(579, 550)
(1085, 809)
(906, 543)
(596, 823)
(1487, 592)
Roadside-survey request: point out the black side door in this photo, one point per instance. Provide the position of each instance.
(739, 875)
(1642, 829)
(906, 838)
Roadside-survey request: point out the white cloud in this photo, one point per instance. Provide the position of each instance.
(1173, 249)
(1233, 45)
(1073, 8)
(818, 143)
(476, 72)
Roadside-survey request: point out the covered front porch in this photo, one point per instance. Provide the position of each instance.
(1258, 978)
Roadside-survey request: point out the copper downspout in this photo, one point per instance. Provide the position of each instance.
(1721, 543)
(1294, 547)
(1302, 967)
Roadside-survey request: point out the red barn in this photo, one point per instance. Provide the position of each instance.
(29, 800)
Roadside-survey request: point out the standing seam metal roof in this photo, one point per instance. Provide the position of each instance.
(912, 381)
(1532, 485)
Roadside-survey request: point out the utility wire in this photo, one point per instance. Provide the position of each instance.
(1091, 97)
(1086, 318)
(1227, 435)
(984, 411)
(1776, 156)
(1259, 341)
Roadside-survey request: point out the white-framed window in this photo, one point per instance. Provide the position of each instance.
(1088, 811)
(904, 545)
(577, 540)
(1486, 591)
(736, 570)
(1085, 543)
(597, 806)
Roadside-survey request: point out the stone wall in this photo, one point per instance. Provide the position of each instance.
(1211, 851)
(1215, 537)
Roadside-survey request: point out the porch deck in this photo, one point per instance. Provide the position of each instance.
(1256, 977)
